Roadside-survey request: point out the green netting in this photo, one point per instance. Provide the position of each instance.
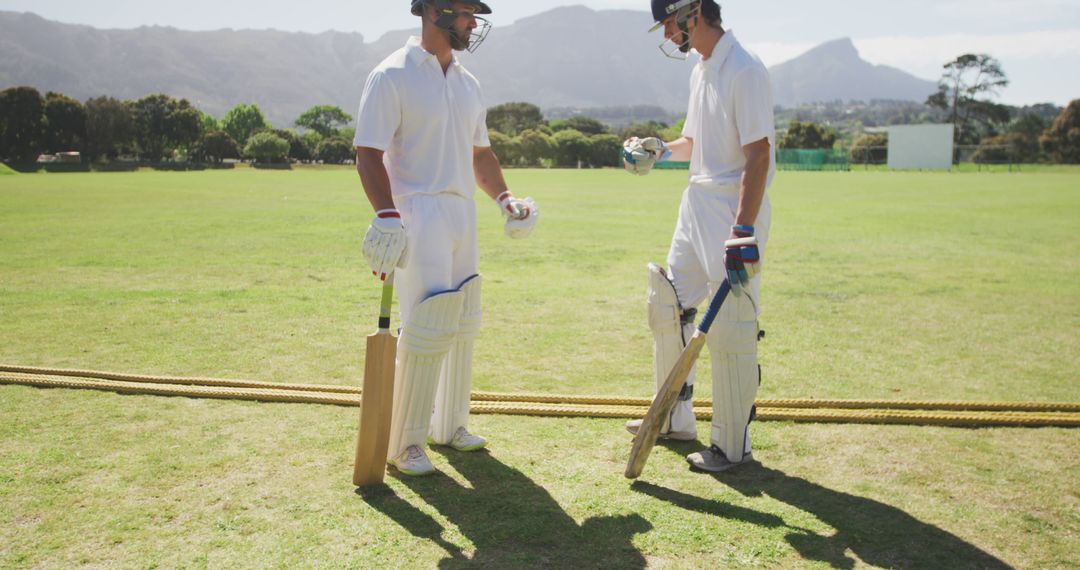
(672, 165)
(812, 159)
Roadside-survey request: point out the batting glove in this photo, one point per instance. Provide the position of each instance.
(640, 155)
(742, 258)
(385, 244)
(521, 215)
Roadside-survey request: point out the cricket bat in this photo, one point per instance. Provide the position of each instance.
(377, 398)
(669, 391)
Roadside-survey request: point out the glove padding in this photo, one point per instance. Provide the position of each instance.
(521, 215)
(385, 244)
(640, 155)
(742, 259)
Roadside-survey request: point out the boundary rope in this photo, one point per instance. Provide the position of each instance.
(933, 412)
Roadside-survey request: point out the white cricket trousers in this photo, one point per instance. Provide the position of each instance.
(443, 250)
(696, 262)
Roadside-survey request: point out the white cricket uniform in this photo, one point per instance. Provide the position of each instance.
(427, 124)
(730, 106)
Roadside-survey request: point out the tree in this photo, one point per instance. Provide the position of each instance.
(571, 147)
(66, 120)
(644, 130)
(1000, 149)
(209, 123)
(266, 147)
(335, 150)
(507, 148)
(583, 125)
(163, 124)
(870, 148)
(184, 125)
(674, 131)
(110, 128)
(324, 119)
(605, 150)
(808, 135)
(513, 118)
(1024, 133)
(1062, 140)
(297, 149)
(215, 146)
(535, 147)
(243, 120)
(22, 112)
(966, 79)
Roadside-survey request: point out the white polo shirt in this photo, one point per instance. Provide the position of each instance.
(731, 105)
(425, 121)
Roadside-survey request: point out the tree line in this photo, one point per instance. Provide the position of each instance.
(159, 128)
(521, 136)
(1036, 133)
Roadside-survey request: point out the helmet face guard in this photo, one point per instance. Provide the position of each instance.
(677, 47)
(446, 16)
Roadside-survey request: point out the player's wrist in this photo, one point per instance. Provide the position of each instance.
(387, 220)
(742, 230)
(506, 203)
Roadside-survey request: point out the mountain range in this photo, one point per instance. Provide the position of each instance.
(565, 57)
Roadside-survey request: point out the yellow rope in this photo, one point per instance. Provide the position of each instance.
(1019, 414)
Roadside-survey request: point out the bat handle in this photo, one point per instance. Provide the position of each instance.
(714, 307)
(387, 302)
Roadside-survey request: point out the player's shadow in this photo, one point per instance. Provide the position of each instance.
(878, 534)
(511, 521)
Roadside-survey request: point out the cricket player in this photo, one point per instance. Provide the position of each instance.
(722, 228)
(421, 149)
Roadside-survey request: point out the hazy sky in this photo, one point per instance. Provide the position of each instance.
(1037, 41)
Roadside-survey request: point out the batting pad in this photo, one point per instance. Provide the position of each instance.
(425, 339)
(733, 349)
(669, 334)
(455, 382)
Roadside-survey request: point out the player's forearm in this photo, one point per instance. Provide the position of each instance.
(374, 178)
(489, 175)
(680, 149)
(752, 186)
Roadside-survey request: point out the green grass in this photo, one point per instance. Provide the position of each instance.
(6, 170)
(878, 285)
(971, 167)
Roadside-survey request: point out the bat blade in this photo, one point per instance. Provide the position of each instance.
(661, 406)
(375, 407)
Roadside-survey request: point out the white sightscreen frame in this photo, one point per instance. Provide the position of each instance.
(923, 147)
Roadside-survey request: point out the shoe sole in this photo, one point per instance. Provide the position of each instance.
(456, 448)
(471, 447)
(677, 436)
(412, 473)
(727, 467)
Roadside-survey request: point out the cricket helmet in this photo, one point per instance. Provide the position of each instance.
(418, 6)
(661, 9)
(446, 16)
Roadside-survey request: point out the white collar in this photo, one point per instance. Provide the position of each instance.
(720, 51)
(419, 56)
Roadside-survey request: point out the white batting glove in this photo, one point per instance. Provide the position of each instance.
(640, 155)
(385, 244)
(521, 215)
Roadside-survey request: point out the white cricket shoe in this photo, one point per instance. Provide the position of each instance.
(633, 426)
(413, 461)
(714, 460)
(464, 441)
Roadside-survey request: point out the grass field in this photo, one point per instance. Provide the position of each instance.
(878, 285)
